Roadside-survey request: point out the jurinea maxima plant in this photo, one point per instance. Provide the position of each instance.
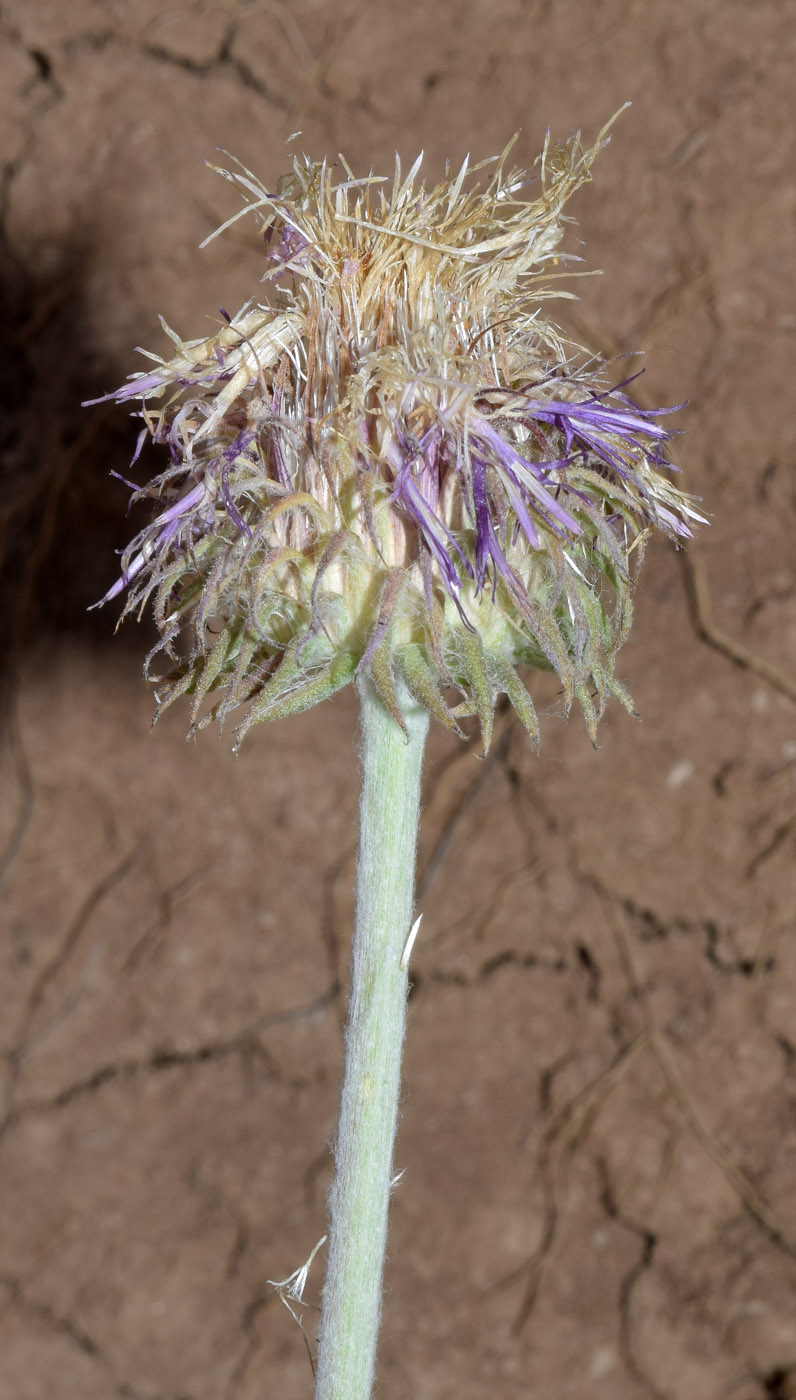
(391, 467)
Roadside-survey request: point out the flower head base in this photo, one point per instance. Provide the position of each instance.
(403, 469)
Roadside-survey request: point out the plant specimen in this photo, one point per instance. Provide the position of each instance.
(393, 468)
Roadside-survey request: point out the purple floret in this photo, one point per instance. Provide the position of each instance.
(612, 438)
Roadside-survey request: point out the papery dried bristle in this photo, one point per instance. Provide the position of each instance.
(395, 463)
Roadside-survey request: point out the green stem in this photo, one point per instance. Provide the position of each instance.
(359, 1197)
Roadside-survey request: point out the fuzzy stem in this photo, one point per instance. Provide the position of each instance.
(358, 1200)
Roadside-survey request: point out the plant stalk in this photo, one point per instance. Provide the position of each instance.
(359, 1198)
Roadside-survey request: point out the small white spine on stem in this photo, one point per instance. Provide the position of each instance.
(292, 1287)
(408, 946)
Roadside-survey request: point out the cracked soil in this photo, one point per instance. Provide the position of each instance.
(598, 1136)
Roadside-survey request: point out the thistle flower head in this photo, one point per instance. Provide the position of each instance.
(393, 463)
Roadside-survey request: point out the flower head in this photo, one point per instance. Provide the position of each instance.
(393, 463)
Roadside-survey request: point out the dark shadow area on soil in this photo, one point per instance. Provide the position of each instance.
(62, 514)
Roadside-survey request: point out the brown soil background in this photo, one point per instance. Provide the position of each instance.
(598, 1133)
